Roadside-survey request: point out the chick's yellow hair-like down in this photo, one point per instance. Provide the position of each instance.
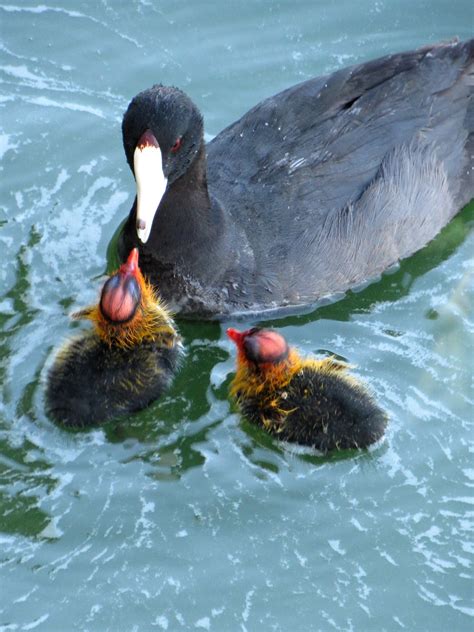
(151, 321)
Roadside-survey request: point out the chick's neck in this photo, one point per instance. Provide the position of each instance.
(253, 379)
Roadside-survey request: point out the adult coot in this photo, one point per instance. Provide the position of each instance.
(310, 402)
(313, 191)
(124, 363)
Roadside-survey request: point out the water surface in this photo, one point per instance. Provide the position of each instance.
(183, 517)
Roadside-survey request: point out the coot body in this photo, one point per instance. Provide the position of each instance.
(315, 190)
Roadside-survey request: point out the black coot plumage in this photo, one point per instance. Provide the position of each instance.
(126, 362)
(313, 191)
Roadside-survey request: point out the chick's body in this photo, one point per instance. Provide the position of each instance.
(310, 402)
(92, 382)
(126, 362)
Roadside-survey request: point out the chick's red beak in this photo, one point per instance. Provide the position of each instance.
(236, 335)
(131, 265)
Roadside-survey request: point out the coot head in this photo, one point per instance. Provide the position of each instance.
(130, 310)
(259, 346)
(121, 294)
(162, 133)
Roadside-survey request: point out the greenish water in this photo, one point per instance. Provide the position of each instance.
(183, 517)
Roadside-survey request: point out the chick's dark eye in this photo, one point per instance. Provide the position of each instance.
(176, 146)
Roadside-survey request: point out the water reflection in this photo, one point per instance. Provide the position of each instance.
(25, 477)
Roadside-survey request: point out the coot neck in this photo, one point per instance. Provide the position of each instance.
(192, 245)
(192, 182)
(188, 226)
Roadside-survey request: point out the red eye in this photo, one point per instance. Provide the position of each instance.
(176, 146)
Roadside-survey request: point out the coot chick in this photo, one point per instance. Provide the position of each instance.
(126, 362)
(314, 191)
(310, 402)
